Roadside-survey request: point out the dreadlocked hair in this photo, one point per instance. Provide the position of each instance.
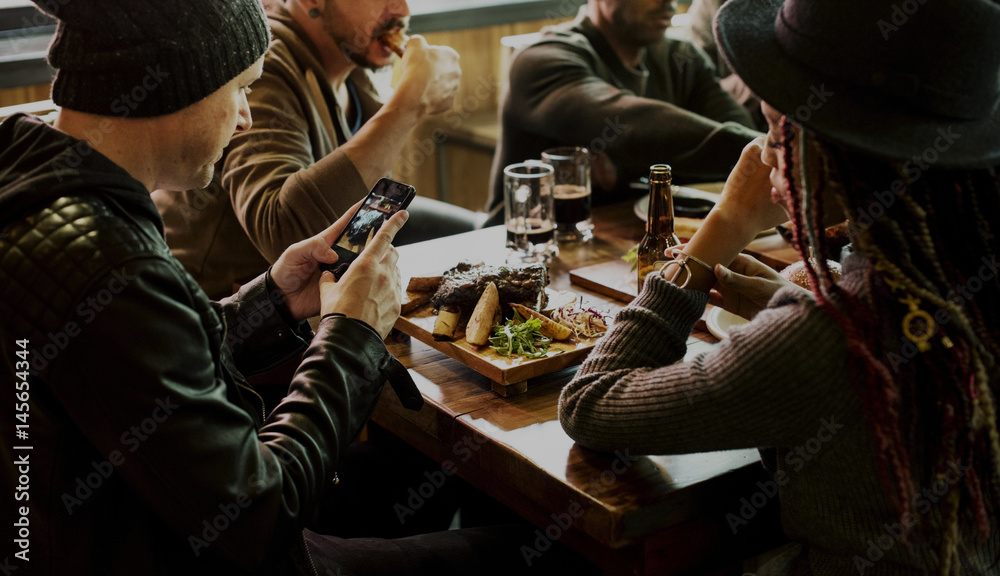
(922, 335)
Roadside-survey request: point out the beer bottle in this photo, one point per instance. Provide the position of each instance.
(651, 254)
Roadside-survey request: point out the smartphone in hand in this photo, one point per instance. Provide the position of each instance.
(385, 199)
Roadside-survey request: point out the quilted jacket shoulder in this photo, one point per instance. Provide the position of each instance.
(54, 256)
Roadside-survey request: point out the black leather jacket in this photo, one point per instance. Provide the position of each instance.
(149, 453)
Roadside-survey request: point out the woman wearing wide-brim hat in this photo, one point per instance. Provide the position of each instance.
(872, 396)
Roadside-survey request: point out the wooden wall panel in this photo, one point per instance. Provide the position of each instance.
(468, 172)
(23, 94)
(466, 180)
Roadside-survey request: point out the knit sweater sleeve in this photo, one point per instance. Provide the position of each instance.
(766, 385)
(285, 177)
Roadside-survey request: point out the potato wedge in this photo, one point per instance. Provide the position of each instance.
(477, 331)
(423, 283)
(549, 327)
(413, 300)
(446, 323)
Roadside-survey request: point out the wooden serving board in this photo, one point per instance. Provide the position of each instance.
(510, 374)
(614, 278)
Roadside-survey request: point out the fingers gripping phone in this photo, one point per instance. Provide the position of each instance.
(385, 199)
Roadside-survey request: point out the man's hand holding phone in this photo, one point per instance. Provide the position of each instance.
(371, 294)
(385, 199)
(371, 289)
(296, 272)
(359, 276)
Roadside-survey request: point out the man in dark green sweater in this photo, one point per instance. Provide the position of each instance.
(612, 81)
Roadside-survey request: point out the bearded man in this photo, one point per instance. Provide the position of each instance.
(613, 81)
(321, 138)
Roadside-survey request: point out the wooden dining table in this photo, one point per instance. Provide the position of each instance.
(626, 513)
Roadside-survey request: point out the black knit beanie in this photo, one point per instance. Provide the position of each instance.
(144, 58)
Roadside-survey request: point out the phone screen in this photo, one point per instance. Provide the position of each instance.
(385, 199)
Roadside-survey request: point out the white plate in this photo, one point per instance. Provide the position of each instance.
(686, 227)
(719, 322)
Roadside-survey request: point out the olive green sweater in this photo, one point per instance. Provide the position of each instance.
(571, 88)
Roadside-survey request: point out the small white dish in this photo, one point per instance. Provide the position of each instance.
(719, 322)
(686, 227)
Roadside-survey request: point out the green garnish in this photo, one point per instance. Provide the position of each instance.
(632, 257)
(520, 337)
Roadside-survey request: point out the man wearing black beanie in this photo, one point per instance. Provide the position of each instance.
(136, 445)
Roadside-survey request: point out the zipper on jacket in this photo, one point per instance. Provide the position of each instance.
(263, 408)
(236, 377)
(309, 557)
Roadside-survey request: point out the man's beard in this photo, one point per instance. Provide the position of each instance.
(351, 44)
(359, 58)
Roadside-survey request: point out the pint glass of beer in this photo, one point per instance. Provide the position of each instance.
(571, 193)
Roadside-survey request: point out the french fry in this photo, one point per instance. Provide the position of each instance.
(446, 323)
(549, 327)
(477, 332)
(423, 283)
(396, 41)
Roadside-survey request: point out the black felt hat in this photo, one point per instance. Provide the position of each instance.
(142, 58)
(899, 79)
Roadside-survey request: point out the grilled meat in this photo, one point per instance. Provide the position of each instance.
(462, 285)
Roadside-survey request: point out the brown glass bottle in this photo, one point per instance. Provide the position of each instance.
(651, 254)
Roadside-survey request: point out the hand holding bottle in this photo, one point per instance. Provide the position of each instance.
(651, 254)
